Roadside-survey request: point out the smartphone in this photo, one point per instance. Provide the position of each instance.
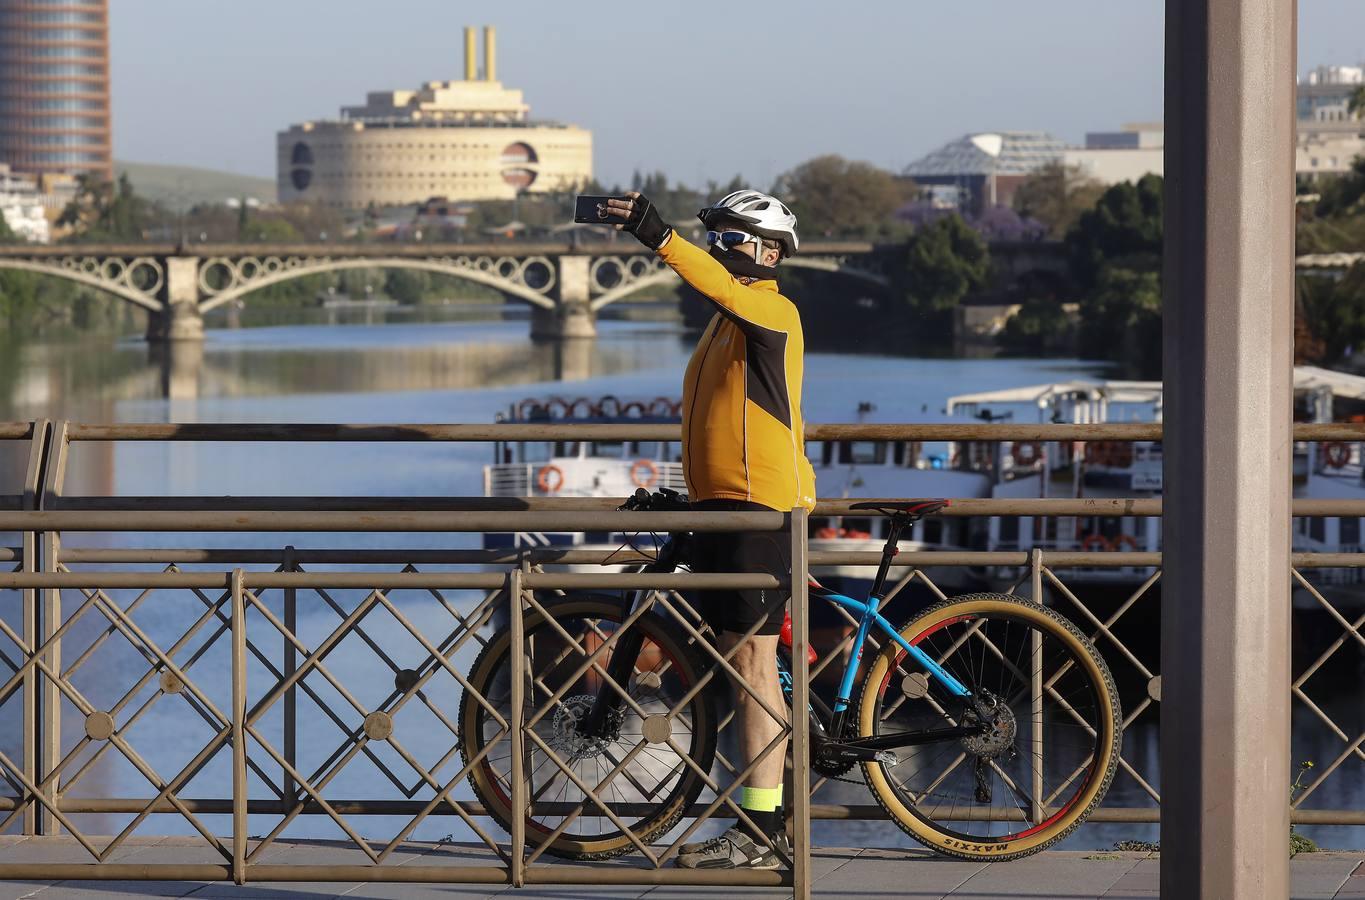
(592, 210)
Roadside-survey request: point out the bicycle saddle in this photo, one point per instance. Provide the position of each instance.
(905, 507)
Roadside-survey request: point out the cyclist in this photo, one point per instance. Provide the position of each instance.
(742, 450)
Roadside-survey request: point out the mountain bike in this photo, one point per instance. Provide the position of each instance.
(986, 726)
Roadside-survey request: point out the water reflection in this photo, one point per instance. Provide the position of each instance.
(83, 379)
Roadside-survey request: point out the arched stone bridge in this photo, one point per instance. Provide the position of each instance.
(565, 285)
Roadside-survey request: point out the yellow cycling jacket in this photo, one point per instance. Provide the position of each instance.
(741, 407)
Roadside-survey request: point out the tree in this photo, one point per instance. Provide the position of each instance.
(269, 230)
(1334, 313)
(1123, 229)
(1040, 328)
(407, 286)
(1356, 105)
(942, 262)
(836, 197)
(1121, 318)
(1057, 195)
(107, 211)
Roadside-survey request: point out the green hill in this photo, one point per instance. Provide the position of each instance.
(184, 186)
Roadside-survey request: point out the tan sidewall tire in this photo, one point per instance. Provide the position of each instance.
(925, 832)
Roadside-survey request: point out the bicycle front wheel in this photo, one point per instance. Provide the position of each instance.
(641, 775)
(1049, 741)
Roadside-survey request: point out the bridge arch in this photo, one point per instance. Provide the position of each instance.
(286, 272)
(102, 279)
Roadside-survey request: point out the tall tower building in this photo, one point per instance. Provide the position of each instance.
(54, 87)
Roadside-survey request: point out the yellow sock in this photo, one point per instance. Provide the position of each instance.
(761, 799)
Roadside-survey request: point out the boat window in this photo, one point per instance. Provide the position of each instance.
(646, 450)
(864, 452)
(533, 451)
(1350, 531)
(1317, 528)
(933, 531)
(1009, 530)
(826, 453)
(898, 453)
(857, 528)
(566, 448)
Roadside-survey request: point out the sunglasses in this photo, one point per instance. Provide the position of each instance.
(729, 239)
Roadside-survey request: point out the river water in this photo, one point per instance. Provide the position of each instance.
(450, 368)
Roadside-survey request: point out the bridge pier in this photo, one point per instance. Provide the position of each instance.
(179, 318)
(572, 317)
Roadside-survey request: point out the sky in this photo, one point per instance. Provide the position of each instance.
(701, 91)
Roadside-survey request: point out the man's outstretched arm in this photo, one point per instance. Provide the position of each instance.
(698, 268)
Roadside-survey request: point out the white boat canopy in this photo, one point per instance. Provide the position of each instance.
(1307, 379)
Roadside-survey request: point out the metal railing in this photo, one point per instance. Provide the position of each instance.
(245, 653)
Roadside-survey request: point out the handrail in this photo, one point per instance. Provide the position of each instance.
(540, 519)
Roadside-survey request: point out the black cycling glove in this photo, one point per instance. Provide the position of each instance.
(645, 224)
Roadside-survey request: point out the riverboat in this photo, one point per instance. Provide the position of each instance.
(525, 468)
(1100, 469)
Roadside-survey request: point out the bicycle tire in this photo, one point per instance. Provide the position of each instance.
(683, 670)
(927, 822)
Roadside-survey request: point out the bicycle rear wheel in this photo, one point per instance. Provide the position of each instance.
(1051, 749)
(654, 786)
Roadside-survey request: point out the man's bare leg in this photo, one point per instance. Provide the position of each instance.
(756, 662)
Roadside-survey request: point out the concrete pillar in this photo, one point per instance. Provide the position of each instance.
(572, 316)
(1228, 309)
(180, 320)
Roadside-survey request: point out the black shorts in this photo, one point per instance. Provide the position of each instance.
(743, 551)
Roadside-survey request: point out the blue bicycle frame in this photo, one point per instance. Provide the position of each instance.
(868, 616)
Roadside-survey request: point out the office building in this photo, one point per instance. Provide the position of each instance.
(462, 140)
(54, 87)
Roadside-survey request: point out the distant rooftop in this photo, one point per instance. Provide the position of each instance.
(997, 153)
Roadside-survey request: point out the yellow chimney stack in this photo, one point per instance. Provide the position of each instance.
(471, 55)
(490, 54)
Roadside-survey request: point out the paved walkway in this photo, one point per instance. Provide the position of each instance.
(858, 874)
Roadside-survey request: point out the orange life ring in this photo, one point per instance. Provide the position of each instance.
(543, 479)
(1093, 541)
(857, 535)
(644, 473)
(1026, 453)
(826, 534)
(1125, 540)
(1336, 454)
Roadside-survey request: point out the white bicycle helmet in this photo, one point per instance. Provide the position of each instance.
(764, 214)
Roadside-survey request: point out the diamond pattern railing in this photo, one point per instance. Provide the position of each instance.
(373, 678)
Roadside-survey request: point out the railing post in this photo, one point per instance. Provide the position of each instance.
(1036, 688)
(800, 605)
(49, 620)
(517, 716)
(239, 783)
(291, 662)
(1228, 451)
(33, 477)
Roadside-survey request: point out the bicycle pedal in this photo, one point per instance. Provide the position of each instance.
(887, 758)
